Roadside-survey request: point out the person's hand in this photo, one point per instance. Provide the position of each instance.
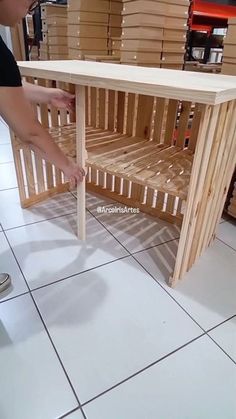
(61, 99)
(74, 173)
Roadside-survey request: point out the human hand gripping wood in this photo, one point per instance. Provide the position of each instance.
(17, 112)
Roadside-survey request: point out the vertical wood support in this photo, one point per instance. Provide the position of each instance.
(80, 152)
(205, 140)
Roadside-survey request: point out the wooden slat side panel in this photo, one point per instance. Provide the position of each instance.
(111, 110)
(144, 116)
(183, 124)
(43, 107)
(93, 104)
(160, 119)
(171, 121)
(120, 112)
(207, 131)
(102, 108)
(198, 112)
(130, 118)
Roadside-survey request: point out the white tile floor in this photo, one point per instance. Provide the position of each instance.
(91, 330)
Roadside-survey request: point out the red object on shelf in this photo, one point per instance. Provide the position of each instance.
(204, 15)
(216, 10)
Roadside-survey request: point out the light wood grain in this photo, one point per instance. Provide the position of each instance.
(175, 84)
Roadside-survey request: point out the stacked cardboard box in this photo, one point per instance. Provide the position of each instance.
(154, 32)
(87, 27)
(229, 53)
(54, 26)
(114, 27)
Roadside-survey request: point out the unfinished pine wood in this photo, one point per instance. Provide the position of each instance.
(151, 144)
(80, 148)
(174, 84)
(196, 187)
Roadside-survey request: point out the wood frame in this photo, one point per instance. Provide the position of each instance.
(148, 145)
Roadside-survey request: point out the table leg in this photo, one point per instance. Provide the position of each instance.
(80, 152)
(199, 174)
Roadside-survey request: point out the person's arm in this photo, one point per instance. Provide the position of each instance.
(51, 96)
(17, 112)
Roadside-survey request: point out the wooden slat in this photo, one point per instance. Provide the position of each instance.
(144, 116)
(102, 108)
(224, 166)
(80, 152)
(111, 110)
(205, 207)
(171, 121)
(130, 114)
(29, 171)
(93, 104)
(159, 119)
(207, 130)
(198, 112)
(43, 107)
(183, 124)
(120, 112)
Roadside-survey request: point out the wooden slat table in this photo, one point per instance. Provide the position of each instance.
(166, 104)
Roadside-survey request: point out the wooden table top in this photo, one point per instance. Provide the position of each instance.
(175, 84)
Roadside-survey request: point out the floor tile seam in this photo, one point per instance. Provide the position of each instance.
(142, 370)
(44, 325)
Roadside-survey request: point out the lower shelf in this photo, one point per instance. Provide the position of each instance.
(159, 166)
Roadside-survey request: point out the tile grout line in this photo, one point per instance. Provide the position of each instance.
(145, 368)
(226, 244)
(158, 283)
(45, 328)
(130, 254)
(39, 221)
(77, 409)
(63, 279)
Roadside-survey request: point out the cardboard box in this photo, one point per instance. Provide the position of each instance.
(52, 10)
(78, 54)
(43, 56)
(175, 23)
(172, 66)
(102, 58)
(155, 7)
(57, 31)
(172, 58)
(115, 21)
(229, 51)
(99, 6)
(174, 35)
(116, 7)
(141, 57)
(142, 33)
(86, 30)
(114, 32)
(169, 46)
(43, 47)
(56, 21)
(229, 69)
(169, 2)
(143, 20)
(45, 37)
(58, 57)
(58, 49)
(88, 17)
(116, 43)
(58, 40)
(141, 45)
(87, 43)
(229, 60)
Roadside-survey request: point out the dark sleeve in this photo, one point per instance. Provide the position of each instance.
(9, 71)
